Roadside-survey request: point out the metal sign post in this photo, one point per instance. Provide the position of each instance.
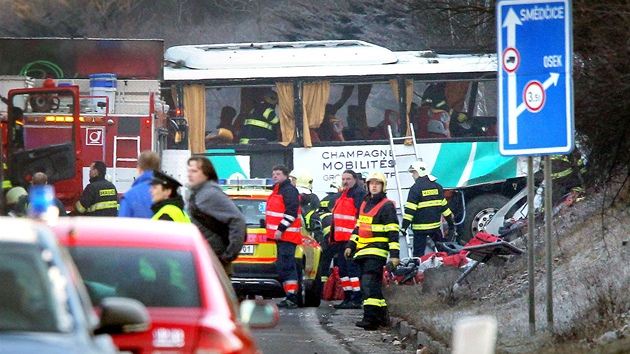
(535, 90)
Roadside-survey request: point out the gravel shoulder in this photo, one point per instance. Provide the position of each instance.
(591, 252)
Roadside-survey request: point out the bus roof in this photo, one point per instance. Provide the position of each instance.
(314, 59)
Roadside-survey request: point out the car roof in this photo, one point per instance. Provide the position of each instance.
(18, 230)
(127, 232)
(253, 193)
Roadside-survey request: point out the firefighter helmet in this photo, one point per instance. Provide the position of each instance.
(335, 185)
(377, 176)
(14, 194)
(434, 96)
(271, 97)
(305, 180)
(422, 169)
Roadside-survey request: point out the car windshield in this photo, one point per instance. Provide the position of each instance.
(254, 210)
(33, 296)
(155, 277)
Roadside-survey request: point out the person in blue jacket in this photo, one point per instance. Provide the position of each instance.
(136, 202)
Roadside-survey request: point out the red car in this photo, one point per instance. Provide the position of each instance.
(170, 268)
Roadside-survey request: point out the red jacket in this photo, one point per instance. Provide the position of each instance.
(344, 217)
(276, 213)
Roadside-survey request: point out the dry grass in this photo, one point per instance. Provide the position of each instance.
(591, 278)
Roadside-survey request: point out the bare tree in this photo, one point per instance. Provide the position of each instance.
(384, 22)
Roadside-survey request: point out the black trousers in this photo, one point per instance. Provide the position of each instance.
(420, 240)
(374, 306)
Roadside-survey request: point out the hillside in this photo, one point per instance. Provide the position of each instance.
(590, 289)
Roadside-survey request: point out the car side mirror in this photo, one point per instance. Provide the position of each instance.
(259, 313)
(123, 315)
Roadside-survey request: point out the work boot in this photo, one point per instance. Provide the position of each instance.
(363, 323)
(347, 297)
(343, 305)
(287, 304)
(371, 326)
(385, 320)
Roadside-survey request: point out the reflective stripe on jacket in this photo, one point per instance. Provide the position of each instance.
(377, 229)
(344, 217)
(175, 213)
(275, 214)
(99, 198)
(425, 206)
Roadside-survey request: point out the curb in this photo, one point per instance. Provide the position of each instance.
(417, 339)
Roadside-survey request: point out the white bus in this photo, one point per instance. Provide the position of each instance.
(336, 99)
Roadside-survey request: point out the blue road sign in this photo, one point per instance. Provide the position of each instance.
(535, 53)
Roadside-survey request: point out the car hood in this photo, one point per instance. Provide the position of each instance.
(54, 343)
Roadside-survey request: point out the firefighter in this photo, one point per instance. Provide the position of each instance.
(285, 227)
(331, 196)
(374, 240)
(309, 202)
(328, 254)
(40, 179)
(100, 197)
(167, 203)
(345, 213)
(424, 209)
(262, 121)
(566, 174)
(433, 117)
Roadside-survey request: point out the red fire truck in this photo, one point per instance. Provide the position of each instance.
(60, 126)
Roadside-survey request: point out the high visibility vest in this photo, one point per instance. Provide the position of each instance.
(177, 214)
(344, 217)
(373, 238)
(275, 214)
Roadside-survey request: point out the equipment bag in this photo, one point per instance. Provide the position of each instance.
(332, 288)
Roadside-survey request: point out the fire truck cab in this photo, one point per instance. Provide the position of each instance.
(60, 126)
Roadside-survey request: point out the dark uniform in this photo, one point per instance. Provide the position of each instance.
(329, 201)
(172, 208)
(99, 198)
(375, 238)
(424, 209)
(261, 122)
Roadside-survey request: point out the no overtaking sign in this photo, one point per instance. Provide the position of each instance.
(535, 51)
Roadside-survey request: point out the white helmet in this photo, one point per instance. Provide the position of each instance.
(377, 176)
(422, 169)
(335, 185)
(305, 180)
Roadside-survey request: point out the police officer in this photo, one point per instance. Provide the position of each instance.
(345, 213)
(374, 239)
(285, 227)
(262, 121)
(99, 197)
(167, 203)
(424, 209)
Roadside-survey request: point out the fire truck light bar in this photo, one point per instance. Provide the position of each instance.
(63, 119)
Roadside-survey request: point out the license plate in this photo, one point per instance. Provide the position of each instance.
(247, 250)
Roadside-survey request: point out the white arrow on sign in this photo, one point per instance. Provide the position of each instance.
(514, 109)
(552, 80)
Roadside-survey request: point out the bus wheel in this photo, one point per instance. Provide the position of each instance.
(479, 211)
